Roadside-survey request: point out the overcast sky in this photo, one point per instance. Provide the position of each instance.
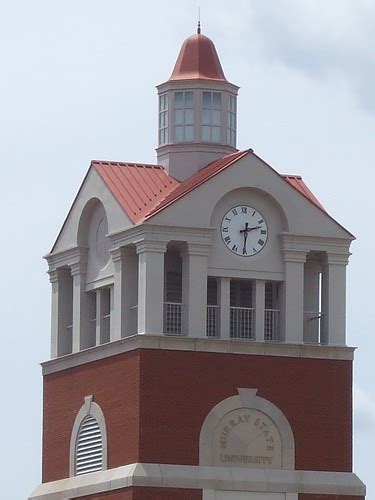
(77, 83)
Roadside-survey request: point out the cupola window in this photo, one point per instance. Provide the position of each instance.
(232, 121)
(183, 116)
(211, 117)
(163, 119)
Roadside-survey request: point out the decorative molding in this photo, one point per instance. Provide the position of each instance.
(298, 242)
(153, 246)
(155, 232)
(183, 343)
(89, 407)
(246, 399)
(66, 258)
(203, 478)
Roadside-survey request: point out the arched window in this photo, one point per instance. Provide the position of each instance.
(88, 445)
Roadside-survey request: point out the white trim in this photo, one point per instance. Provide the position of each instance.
(246, 398)
(88, 408)
(151, 341)
(202, 478)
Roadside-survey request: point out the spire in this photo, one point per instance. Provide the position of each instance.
(198, 60)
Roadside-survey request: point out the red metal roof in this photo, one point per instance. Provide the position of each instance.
(297, 182)
(198, 60)
(145, 190)
(197, 179)
(137, 187)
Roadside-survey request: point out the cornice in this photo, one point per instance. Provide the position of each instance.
(66, 258)
(302, 243)
(193, 344)
(196, 84)
(155, 232)
(289, 482)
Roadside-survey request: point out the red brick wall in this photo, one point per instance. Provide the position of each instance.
(114, 384)
(314, 394)
(148, 494)
(155, 402)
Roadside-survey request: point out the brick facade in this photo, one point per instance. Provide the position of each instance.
(155, 401)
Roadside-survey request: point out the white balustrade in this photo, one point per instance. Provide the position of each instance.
(271, 324)
(212, 329)
(242, 323)
(172, 318)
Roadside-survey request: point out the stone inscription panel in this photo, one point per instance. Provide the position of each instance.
(247, 438)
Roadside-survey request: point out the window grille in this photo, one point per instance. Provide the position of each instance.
(241, 310)
(271, 324)
(232, 121)
(163, 119)
(212, 321)
(172, 318)
(183, 116)
(211, 117)
(89, 447)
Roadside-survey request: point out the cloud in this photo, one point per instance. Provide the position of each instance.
(320, 38)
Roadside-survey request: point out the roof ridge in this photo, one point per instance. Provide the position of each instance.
(127, 164)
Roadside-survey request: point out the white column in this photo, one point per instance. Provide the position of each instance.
(99, 315)
(224, 303)
(311, 301)
(82, 333)
(61, 312)
(194, 289)
(259, 305)
(334, 299)
(124, 260)
(292, 296)
(150, 286)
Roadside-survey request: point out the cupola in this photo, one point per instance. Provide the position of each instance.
(197, 110)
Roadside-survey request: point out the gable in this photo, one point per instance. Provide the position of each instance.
(303, 216)
(93, 187)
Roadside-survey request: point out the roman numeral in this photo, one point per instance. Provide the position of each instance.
(244, 210)
(254, 213)
(254, 250)
(244, 251)
(263, 231)
(260, 242)
(225, 229)
(260, 221)
(234, 211)
(227, 240)
(234, 248)
(226, 218)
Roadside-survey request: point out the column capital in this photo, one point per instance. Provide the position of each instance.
(53, 275)
(78, 268)
(120, 252)
(335, 258)
(202, 249)
(153, 246)
(294, 255)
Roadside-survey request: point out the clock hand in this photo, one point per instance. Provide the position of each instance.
(252, 228)
(245, 231)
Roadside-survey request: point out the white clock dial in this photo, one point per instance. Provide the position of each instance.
(244, 231)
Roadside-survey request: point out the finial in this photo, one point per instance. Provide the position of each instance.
(199, 21)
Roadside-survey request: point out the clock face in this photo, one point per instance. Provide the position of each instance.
(244, 231)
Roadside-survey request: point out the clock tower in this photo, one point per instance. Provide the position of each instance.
(198, 346)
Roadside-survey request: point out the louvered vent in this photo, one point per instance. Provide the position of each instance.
(89, 447)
